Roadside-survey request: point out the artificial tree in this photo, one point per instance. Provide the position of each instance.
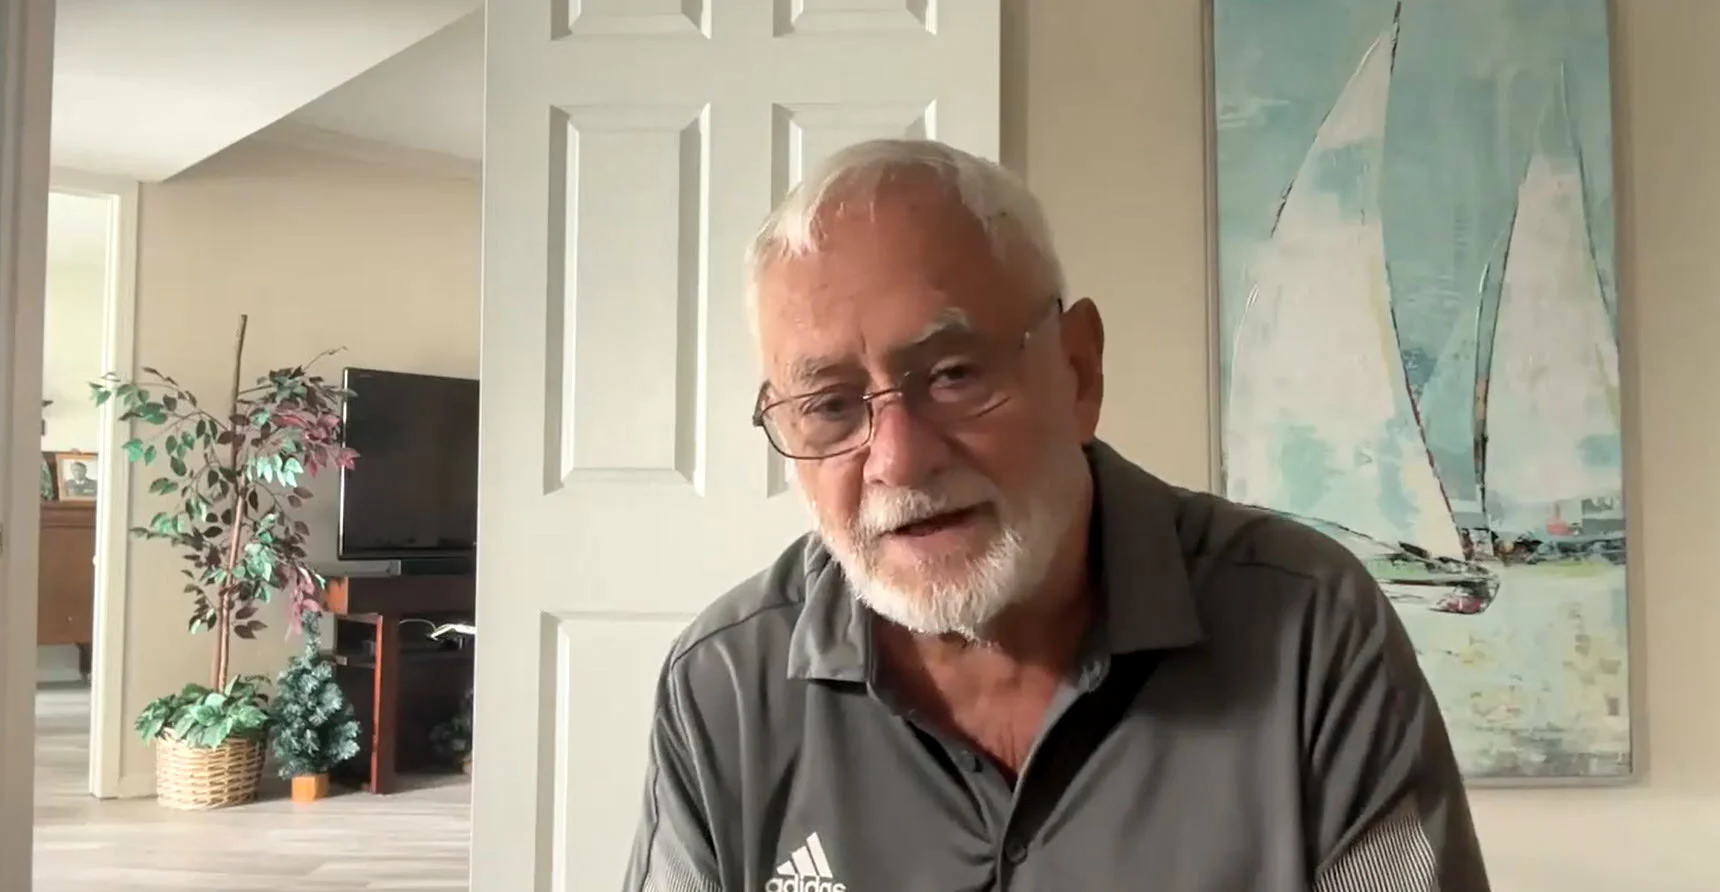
(314, 725)
(235, 478)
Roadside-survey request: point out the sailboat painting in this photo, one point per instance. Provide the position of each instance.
(1418, 341)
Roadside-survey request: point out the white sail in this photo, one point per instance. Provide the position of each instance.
(1553, 401)
(1318, 419)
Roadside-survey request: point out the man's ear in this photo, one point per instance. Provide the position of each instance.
(1084, 348)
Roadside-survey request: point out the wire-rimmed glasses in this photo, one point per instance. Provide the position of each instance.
(831, 421)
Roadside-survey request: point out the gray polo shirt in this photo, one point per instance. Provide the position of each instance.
(1250, 716)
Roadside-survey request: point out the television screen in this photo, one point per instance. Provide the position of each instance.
(413, 491)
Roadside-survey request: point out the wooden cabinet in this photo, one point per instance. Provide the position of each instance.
(67, 573)
(399, 681)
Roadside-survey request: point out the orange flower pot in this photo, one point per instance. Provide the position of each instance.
(310, 787)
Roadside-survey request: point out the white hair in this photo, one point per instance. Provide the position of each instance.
(1001, 203)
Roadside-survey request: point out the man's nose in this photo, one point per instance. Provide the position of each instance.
(905, 450)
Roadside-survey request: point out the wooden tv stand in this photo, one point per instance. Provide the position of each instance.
(400, 690)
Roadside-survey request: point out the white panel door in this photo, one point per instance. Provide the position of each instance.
(26, 68)
(631, 149)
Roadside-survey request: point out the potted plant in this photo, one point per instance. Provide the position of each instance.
(314, 726)
(451, 740)
(234, 477)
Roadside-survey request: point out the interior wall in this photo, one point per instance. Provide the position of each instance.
(73, 320)
(1105, 116)
(321, 251)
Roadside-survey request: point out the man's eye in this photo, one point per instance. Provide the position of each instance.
(956, 375)
(828, 406)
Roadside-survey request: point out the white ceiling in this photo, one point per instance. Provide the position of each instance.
(145, 89)
(429, 97)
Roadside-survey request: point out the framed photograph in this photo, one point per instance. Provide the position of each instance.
(77, 475)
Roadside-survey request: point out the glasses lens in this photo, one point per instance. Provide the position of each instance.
(817, 426)
(960, 391)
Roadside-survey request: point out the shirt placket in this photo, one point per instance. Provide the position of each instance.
(1015, 867)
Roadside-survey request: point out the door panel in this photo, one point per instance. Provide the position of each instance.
(632, 147)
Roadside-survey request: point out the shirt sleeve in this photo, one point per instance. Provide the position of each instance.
(672, 848)
(1388, 811)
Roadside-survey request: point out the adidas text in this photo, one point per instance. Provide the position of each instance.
(803, 884)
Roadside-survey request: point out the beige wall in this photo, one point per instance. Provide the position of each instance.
(321, 251)
(1105, 107)
(73, 319)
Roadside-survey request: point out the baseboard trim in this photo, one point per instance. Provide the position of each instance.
(135, 785)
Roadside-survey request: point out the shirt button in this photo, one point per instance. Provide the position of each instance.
(971, 762)
(1015, 851)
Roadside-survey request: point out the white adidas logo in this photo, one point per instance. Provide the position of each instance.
(806, 870)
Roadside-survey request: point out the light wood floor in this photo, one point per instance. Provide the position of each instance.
(413, 840)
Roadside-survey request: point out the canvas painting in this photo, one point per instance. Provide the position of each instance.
(1419, 340)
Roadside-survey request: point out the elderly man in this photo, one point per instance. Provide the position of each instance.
(1009, 658)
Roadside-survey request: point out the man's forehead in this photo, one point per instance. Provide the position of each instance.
(897, 265)
(811, 357)
(806, 351)
(890, 274)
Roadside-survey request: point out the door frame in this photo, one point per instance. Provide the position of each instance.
(26, 83)
(113, 501)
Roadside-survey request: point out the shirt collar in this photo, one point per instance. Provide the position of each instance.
(1136, 548)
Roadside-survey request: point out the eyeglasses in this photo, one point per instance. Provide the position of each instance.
(833, 421)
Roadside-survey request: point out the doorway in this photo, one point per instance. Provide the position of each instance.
(88, 312)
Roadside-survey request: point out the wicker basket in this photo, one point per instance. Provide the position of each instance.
(192, 778)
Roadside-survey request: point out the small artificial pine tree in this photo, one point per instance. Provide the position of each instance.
(315, 728)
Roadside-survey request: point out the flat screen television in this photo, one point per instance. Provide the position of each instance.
(413, 491)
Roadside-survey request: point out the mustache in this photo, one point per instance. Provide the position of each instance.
(885, 509)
